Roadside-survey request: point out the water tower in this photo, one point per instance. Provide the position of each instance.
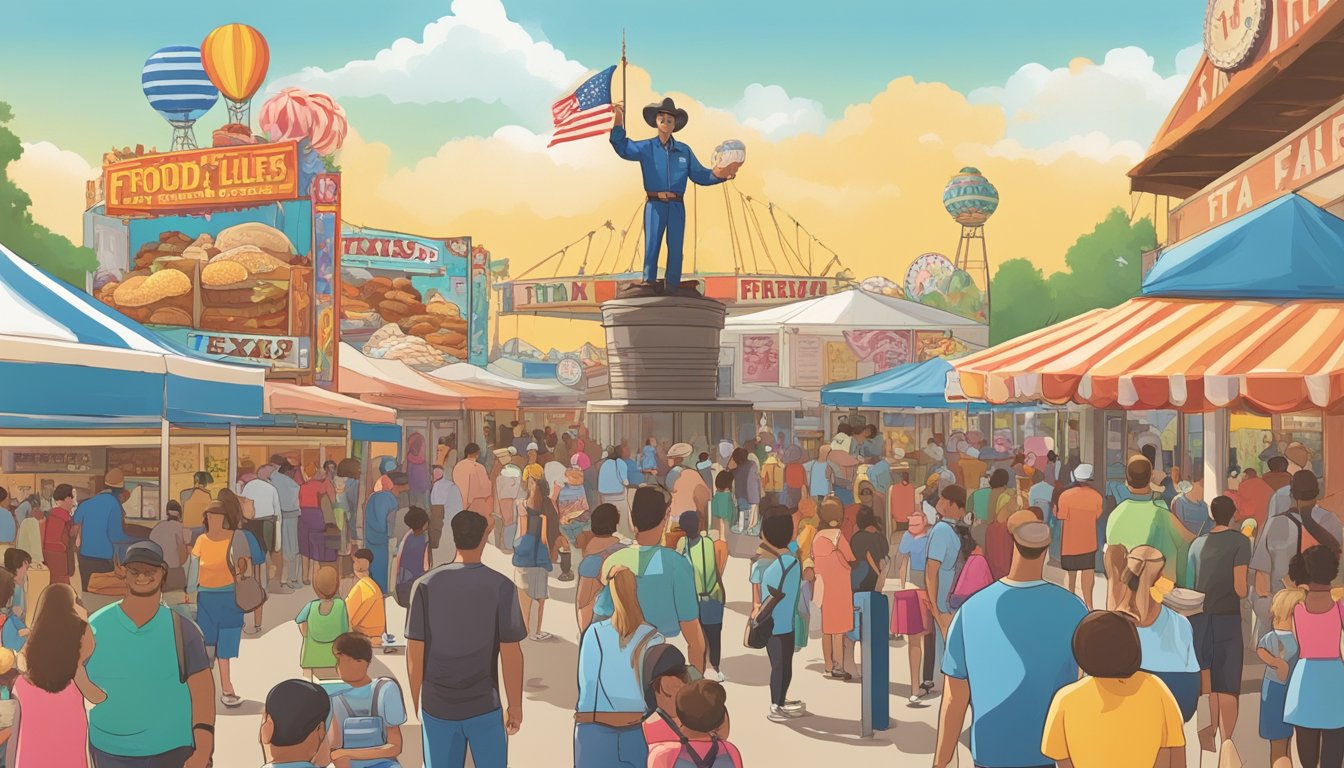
(971, 200)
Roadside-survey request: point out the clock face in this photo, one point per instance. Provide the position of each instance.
(1232, 28)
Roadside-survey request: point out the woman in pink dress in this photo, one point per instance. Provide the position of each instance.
(51, 726)
(832, 559)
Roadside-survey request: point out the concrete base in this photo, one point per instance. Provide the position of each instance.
(663, 347)
(702, 423)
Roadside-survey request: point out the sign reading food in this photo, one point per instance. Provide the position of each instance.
(202, 178)
(275, 351)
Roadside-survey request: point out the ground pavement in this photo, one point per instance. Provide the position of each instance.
(830, 731)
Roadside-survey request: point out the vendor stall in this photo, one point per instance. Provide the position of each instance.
(83, 389)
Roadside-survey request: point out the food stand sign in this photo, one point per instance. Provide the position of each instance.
(807, 360)
(273, 351)
(202, 178)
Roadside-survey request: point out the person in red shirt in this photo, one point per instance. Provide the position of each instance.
(56, 533)
(1253, 498)
(795, 475)
(1078, 511)
(900, 505)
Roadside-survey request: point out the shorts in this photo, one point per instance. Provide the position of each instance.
(1084, 562)
(533, 581)
(1219, 649)
(220, 621)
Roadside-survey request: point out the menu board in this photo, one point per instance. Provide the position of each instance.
(68, 460)
(807, 361)
(134, 462)
(841, 362)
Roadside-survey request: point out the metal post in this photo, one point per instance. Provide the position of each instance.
(232, 482)
(875, 652)
(163, 467)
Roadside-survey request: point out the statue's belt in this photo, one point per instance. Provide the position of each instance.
(672, 197)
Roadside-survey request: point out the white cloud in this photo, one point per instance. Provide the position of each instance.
(770, 110)
(1101, 111)
(475, 54)
(54, 178)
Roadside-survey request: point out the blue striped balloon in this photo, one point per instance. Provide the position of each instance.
(176, 85)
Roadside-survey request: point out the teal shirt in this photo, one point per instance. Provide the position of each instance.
(148, 709)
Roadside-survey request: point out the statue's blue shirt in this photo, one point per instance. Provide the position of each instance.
(666, 167)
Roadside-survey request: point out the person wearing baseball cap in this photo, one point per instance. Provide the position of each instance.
(1010, 648)
(174, 692)
(690, 493)
(98, 522)
(1078, 510)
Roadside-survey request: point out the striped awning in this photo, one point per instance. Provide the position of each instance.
(1272, 356)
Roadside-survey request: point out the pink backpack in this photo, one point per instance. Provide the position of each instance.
(974, 576)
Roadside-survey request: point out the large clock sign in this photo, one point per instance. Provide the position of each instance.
(1232, 28)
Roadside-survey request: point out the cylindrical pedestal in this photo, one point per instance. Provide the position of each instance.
(663, 347)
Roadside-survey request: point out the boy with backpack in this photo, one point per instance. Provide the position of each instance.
(950, 546)
(367, 714)
(703, 735)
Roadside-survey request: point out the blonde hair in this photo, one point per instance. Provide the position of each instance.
(1285, 600)
(1145, 564)
(626, 615)
(326, 582)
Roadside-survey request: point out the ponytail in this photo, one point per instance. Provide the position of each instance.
(626, 615)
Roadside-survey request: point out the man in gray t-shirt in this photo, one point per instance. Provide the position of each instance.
(463, 624)
(1282, 537)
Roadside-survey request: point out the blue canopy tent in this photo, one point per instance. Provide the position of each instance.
(914, 385)
(67, 361)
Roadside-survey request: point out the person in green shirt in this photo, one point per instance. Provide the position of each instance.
(723, 507)
(1141, 520)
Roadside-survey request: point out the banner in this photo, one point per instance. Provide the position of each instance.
(478, 351)
(202, 178)
(841, 362)
(931, 344)
(760, 359)
(807, 361)
(326, 245)
(884, 349)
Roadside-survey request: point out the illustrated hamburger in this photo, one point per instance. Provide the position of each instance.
(245, 289)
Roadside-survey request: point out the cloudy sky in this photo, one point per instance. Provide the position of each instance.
(854, 119)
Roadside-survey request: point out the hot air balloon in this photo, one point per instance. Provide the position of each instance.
(178, 89)
(236, 57)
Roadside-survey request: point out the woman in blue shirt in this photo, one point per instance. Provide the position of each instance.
(611, 708)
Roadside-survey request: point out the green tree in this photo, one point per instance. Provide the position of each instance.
(1104, 269)
(25, 237)
(1019, 301)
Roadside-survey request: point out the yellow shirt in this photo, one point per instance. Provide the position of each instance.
(1098, 722)
(368, 616)
(193, 509)
(214, 562)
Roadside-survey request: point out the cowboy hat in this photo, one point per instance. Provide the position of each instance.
(669, 106)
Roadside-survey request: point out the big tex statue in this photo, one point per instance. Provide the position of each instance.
(667, 164)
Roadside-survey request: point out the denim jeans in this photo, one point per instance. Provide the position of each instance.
(600, 746)
(446, 741)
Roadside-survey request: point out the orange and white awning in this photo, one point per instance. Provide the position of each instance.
(1272, 356)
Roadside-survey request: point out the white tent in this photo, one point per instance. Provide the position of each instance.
(857, 309)
(767, 398)
(530, 393)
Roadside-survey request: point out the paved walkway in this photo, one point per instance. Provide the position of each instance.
(829, 733)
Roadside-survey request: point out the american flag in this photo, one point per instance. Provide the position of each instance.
(585, 112)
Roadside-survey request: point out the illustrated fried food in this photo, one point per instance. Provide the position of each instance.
(220, 272)
(129, 290)
(422, 329)
(140, 291)
(258, 235)
(403, 296)
(443, 308)
(257, 261)
(170, 316)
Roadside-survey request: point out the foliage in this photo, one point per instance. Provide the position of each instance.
(1104, 269)
(25, 237)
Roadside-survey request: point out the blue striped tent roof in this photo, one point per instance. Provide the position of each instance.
(65, 354)
(175, 82)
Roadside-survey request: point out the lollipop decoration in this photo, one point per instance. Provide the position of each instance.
(177, 87)
(236, 58)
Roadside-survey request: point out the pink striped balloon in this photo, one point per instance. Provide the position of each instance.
(294, 114)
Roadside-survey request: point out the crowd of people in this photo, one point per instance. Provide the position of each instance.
(1044, 675)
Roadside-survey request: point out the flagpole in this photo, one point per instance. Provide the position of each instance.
(622, 77)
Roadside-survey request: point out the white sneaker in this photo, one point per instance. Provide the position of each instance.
(914, 699)
(719, 676)
(778, 715)
(794, 705)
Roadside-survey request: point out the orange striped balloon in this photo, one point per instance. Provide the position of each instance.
(236, 58)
